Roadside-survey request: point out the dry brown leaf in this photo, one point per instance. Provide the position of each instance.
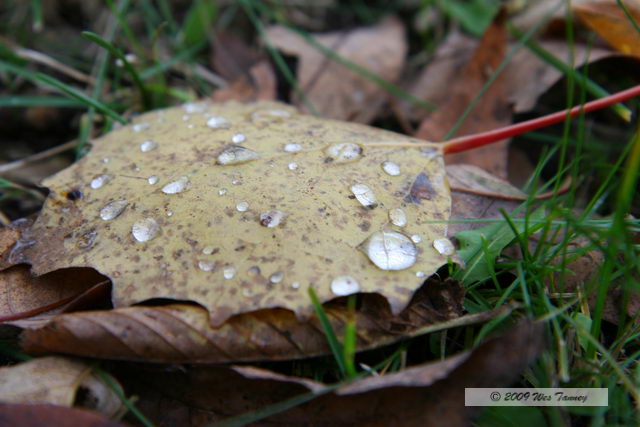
(181, 333)
(259, 85)
(56, 380)
(472, 179)
(610, 22)
(415, 396)
(250, 226)
(335, 90)
(26, 415)
(491, 112)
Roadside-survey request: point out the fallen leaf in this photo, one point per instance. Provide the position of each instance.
(491, 112)
(232, 57)
(56, 380)
(472, 179)
(20, 414)
(259, 85)
(610, 22)
(198, 231)
(335, 90)
(416, 396)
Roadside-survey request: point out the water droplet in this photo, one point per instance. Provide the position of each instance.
(242, 206)
(194, 107)
(177, 186)
(420, 274)
(186, 117)
(113, 209)
(208, 250)
(206, 265)
(169, 213)
(444, 246)
(293, 166)
(364, 195)
(106, 160)
(190, 126)
(390, 250)
(279, 113)
(292, 148)
(222, 191)
(147, 146)
(416, 239)
(217, 122)
(153, 179)
(295, 285)
(236, 154)
(139, 127)
(100, 180)
(145, 229)
(398, 217)
(272, 218)
(254, 271)
(276, 277)
(229, 272)
(86, 239)
(236, 182)
(344, 285)
(344, 153)
(391, 168)
(238, 138)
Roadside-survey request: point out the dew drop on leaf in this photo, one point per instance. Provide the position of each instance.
(390, 250)
(416, 239)
(344, 153)
(236, 154)
(276, 277)
(208, 250)
(293, 166)
(145, 229)
(147, 146)
(391, 168)
(100, 180)
(217, 122)
(206, 265)
(364, 195)
(229, 272)
(194, 107)
(242, 206)
(139, 127)
(113, 210)
(272, 218)
(238, 138)
(153, 179)
(292, 148)
(344, 285)
(177, 186)
(86, 240)
(398, 217)
(444, 246)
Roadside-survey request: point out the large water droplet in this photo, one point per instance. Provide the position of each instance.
(344, 285)
(242, 206)
(100, 180)
(272, 218)
(416, 239)
(238, 138)
(398, 217)
(177, 186)
(153, 179)
(444, 247)
(344, 153)
(147, 146)
(276, 277)
(145, 229)
(391, 168)
(139, 127)
(236, 154)
(292, 148)
(229, 272)
(206, 265)
(217, 122)
(390, 250)
(113, 209)
(364, 195)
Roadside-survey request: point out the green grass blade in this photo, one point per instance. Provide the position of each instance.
(198, 23)
(113, 385)
(332, 339)
(350, 338)
(39, 101)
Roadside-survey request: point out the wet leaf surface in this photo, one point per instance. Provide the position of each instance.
(179, 236)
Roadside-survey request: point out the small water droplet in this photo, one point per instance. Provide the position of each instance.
(194, 107)
(100, 180)
(416, 239)
(398, 217)
(292, 148)
(86, 239)
(113, 209)
(235, 154)
(106, 160)
(272, 218)
(344, 285)
(254, 271)
(229, 272)
(145, 229)
(206, 265)
(208, 250)
(279, 113)
(190, 126)
(147, 146)
(420, 274)
(276, 277)
(444, 246)
(186, 117)
(177, 186)
(293, 166)
(364, 195)
(344, 153)
(169, 213)
(242, 206)
(236, 182)
(295, 285)
(139, 127)
(153, 179)
(238, 138)
(222, 191)
(390, 250)
(217, 122)
(391, 168)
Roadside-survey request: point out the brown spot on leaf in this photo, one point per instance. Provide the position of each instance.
(421, 189)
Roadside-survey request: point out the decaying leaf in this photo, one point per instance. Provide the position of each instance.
(335, 90)
(181, 333)
(415, 396)
(607, 18)
(20, 414)
(472, 179)
(172, 207)
(56, 380)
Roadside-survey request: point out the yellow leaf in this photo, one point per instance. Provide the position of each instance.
(608, 19)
